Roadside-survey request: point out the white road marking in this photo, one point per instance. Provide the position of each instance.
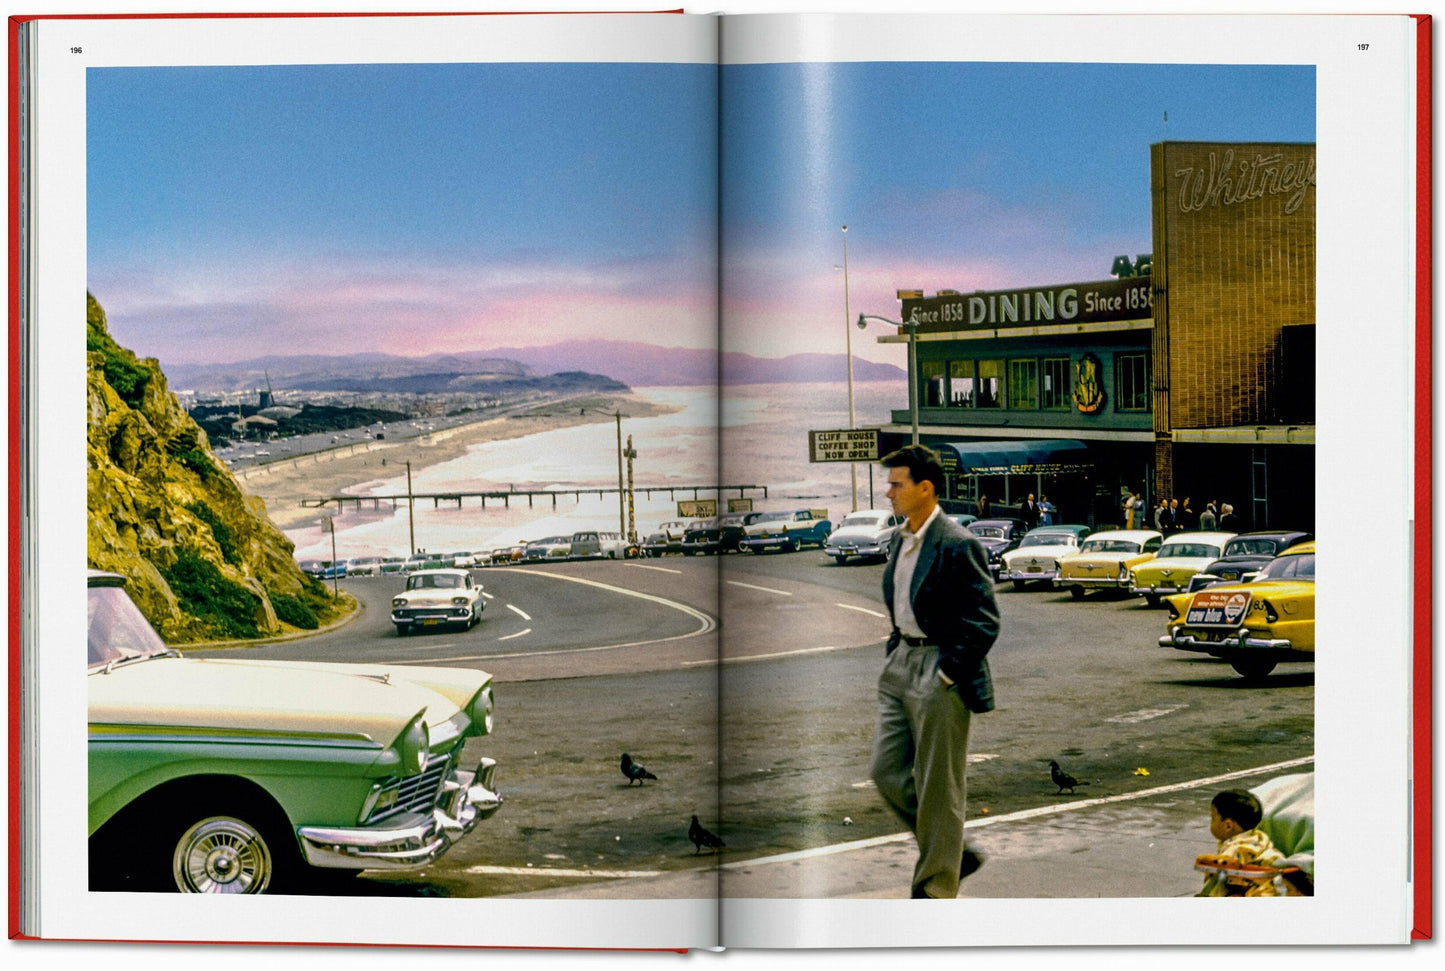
(705, 624)
(659, 569)
(518, 611)
(739, 583)
(1144, 714)
(861, 610)
(538, 871)
(489, 596)
(766, 657)
(518, 634)
(1051, 810)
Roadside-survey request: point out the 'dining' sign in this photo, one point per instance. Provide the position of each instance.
(847, 445)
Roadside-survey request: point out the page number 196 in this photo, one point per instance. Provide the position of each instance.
(75, 50)
(1363, 47)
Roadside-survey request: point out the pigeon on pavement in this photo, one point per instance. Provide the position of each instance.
(633, 771)
(1062, 779)
(701, 837)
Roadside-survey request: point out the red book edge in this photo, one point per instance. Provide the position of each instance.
(13, 459)
(1423, 750)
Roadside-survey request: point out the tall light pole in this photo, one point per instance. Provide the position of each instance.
(911, 326)
(847, 331)
(621, 495)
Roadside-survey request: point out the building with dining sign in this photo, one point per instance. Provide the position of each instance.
(1189, 371)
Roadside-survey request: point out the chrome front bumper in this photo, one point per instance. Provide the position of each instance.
(873, 550)
(411, 840)
(1159, 589)
(1115, 583)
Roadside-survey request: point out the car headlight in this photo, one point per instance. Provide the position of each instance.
(413, 745)
(398, 601)
(459, 601)
(479, 711)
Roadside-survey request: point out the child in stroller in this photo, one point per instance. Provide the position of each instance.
(1266, 841)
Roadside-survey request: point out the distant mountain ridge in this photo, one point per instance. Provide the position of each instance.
(631, 362)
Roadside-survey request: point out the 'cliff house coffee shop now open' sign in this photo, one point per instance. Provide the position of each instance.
(845, 445)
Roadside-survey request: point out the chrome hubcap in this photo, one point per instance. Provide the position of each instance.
(221, 855)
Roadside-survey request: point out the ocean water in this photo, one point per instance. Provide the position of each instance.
(758, 436)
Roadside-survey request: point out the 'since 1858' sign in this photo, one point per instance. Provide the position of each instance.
(1131, 298)
(847, 445)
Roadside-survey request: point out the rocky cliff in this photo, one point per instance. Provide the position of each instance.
(203, 560)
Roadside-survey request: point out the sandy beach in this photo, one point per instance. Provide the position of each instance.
(284, 484)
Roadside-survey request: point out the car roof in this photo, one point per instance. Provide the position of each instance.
(1217, 539)
(1061, 528)
(101, 578)
(1299, 548)
(1133, 535)
(443, 570)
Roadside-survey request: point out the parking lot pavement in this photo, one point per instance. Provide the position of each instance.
(1142, 845)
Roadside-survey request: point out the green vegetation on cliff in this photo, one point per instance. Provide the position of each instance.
(202, 559)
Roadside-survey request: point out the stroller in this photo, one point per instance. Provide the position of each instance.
(1289, 822)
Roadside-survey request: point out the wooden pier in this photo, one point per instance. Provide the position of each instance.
(505, 496)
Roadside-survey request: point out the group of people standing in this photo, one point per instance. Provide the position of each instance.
(1176, 515)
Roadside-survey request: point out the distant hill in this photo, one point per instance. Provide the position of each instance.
(630, 362)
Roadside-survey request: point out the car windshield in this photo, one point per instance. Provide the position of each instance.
(874, 520)
(1199, 550)
(1109, 546)
(1298, 566)
(1251, 547)
(1049, 539)
(772, 517)
(433, 581)
(992, 532)
(117, 630)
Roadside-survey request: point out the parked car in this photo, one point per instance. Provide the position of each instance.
(598, 543)
(437, 598)
(549, 548)
(1036, 558)
(462, 560)
(864, 534)
(787, 531)
(730, 530)
(1104, 560)
(660, 544)
(963, 518)
(333, 571)
(1255, 625)
(391, 564)
(311, 568)
(701, 537)
(675, 529)
(1245, 554)
(997, 537)
(363, 566)
(1180, 557)
(232, 775)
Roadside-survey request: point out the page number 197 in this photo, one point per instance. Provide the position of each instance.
(1363, 47)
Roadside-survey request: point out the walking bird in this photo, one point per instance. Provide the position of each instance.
(633, 771)
(701, 837)
(1062, 779)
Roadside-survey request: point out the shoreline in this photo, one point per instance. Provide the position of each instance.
(282, 485)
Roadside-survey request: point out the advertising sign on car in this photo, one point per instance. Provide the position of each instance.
(1217, 608)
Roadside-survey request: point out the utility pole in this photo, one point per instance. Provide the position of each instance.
(410, 511)
(631, 533)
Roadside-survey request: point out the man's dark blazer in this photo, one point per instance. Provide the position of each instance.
(953, 602)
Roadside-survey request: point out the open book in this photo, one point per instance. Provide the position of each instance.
(488, 410)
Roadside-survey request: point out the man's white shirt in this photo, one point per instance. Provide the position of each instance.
(903, 569)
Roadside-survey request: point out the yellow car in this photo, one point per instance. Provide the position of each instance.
(1254, 625)
(1181, 556)
(1105, 560)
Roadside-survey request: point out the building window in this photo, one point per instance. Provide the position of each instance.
(1055, 389)
(933, 392)
(960, 384)
(990, 384)
(1023, 384)
(1131, 382)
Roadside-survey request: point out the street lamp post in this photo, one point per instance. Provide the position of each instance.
(911, 326)
(848, 319)
(621, 494)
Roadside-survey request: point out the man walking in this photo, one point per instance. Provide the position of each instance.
(940, 597)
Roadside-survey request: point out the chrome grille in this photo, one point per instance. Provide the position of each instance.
(418, 793)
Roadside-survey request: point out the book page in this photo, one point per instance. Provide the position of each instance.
(1100, 238)
(420, 283)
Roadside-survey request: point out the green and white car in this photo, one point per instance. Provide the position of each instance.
(248, 776)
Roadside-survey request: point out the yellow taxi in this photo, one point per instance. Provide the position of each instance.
(1181, 556)
(1253, 625)
(1106, 560)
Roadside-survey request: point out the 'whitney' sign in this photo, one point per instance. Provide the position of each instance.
(1225, 182)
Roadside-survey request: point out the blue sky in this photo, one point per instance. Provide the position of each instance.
(418, 208)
